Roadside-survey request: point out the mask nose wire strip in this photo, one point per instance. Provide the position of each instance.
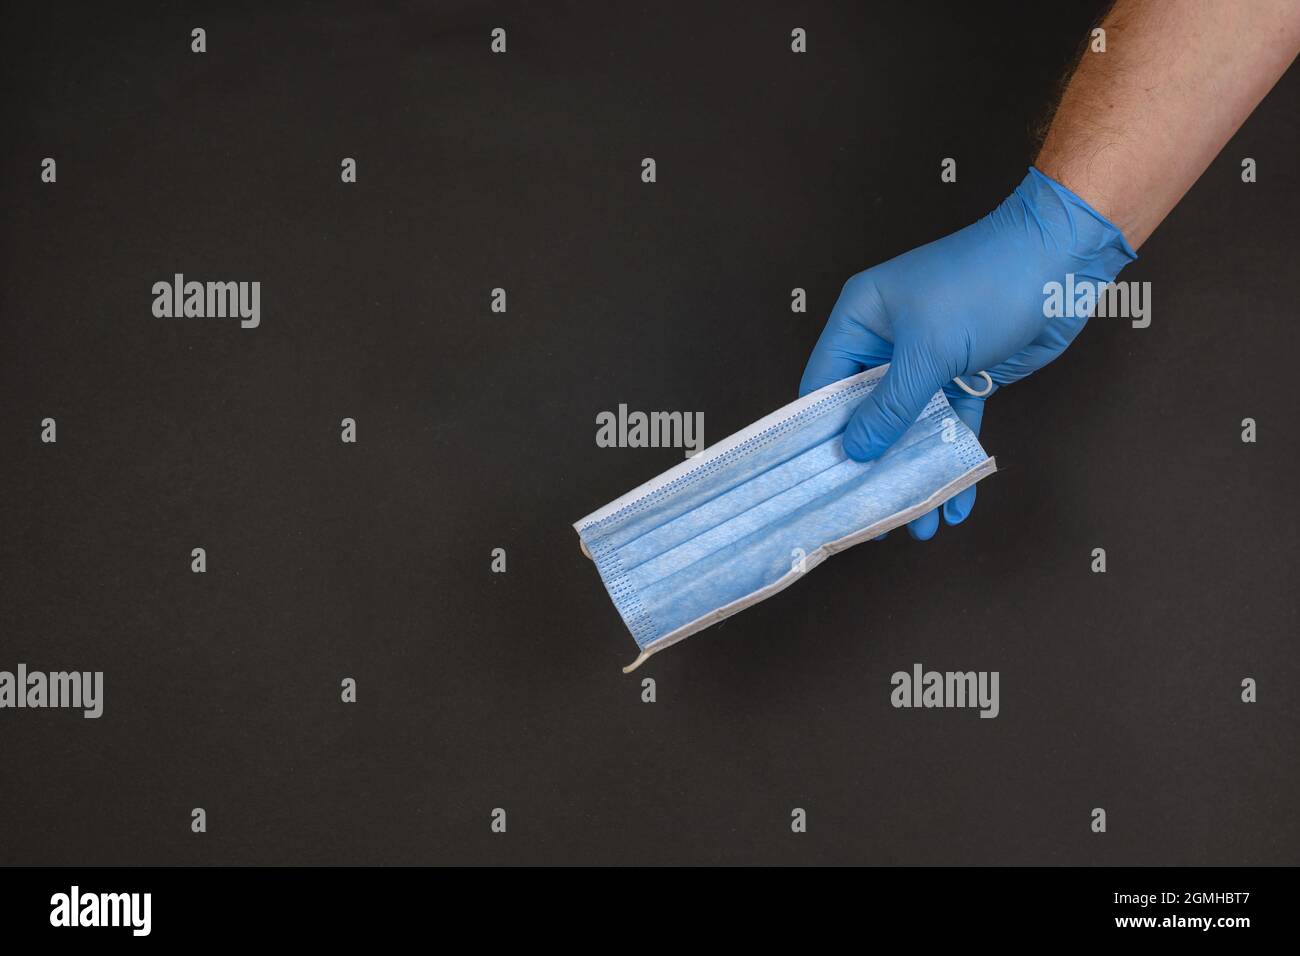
(641, 659)
(988, 387)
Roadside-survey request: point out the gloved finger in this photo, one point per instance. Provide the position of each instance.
(924, 527)
(958, 508)
(971, 411)
(894, 405)
(844, 348)
(968, 408)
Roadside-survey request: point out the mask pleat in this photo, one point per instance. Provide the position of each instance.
(717, 482)
(822, 505)
(732, 504)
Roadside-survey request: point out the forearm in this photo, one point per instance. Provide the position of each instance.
(1139, 123)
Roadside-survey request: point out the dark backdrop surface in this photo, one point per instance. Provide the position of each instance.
(477, 431)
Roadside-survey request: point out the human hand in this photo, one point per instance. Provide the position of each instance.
(972, 301)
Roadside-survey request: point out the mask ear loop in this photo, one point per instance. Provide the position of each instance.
(641, 659)
(970, 391)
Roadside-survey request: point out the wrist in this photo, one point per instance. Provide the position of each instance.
(1075, 224)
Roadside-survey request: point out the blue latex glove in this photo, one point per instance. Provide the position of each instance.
(968, 302)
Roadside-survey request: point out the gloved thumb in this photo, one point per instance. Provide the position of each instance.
(894, 404)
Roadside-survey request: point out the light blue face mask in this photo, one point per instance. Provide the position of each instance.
(753, 513)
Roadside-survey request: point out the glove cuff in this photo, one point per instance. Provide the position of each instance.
(1091, 235)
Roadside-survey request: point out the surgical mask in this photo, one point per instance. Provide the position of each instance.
(752, 514)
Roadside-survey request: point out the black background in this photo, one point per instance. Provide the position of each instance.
(476, 431)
